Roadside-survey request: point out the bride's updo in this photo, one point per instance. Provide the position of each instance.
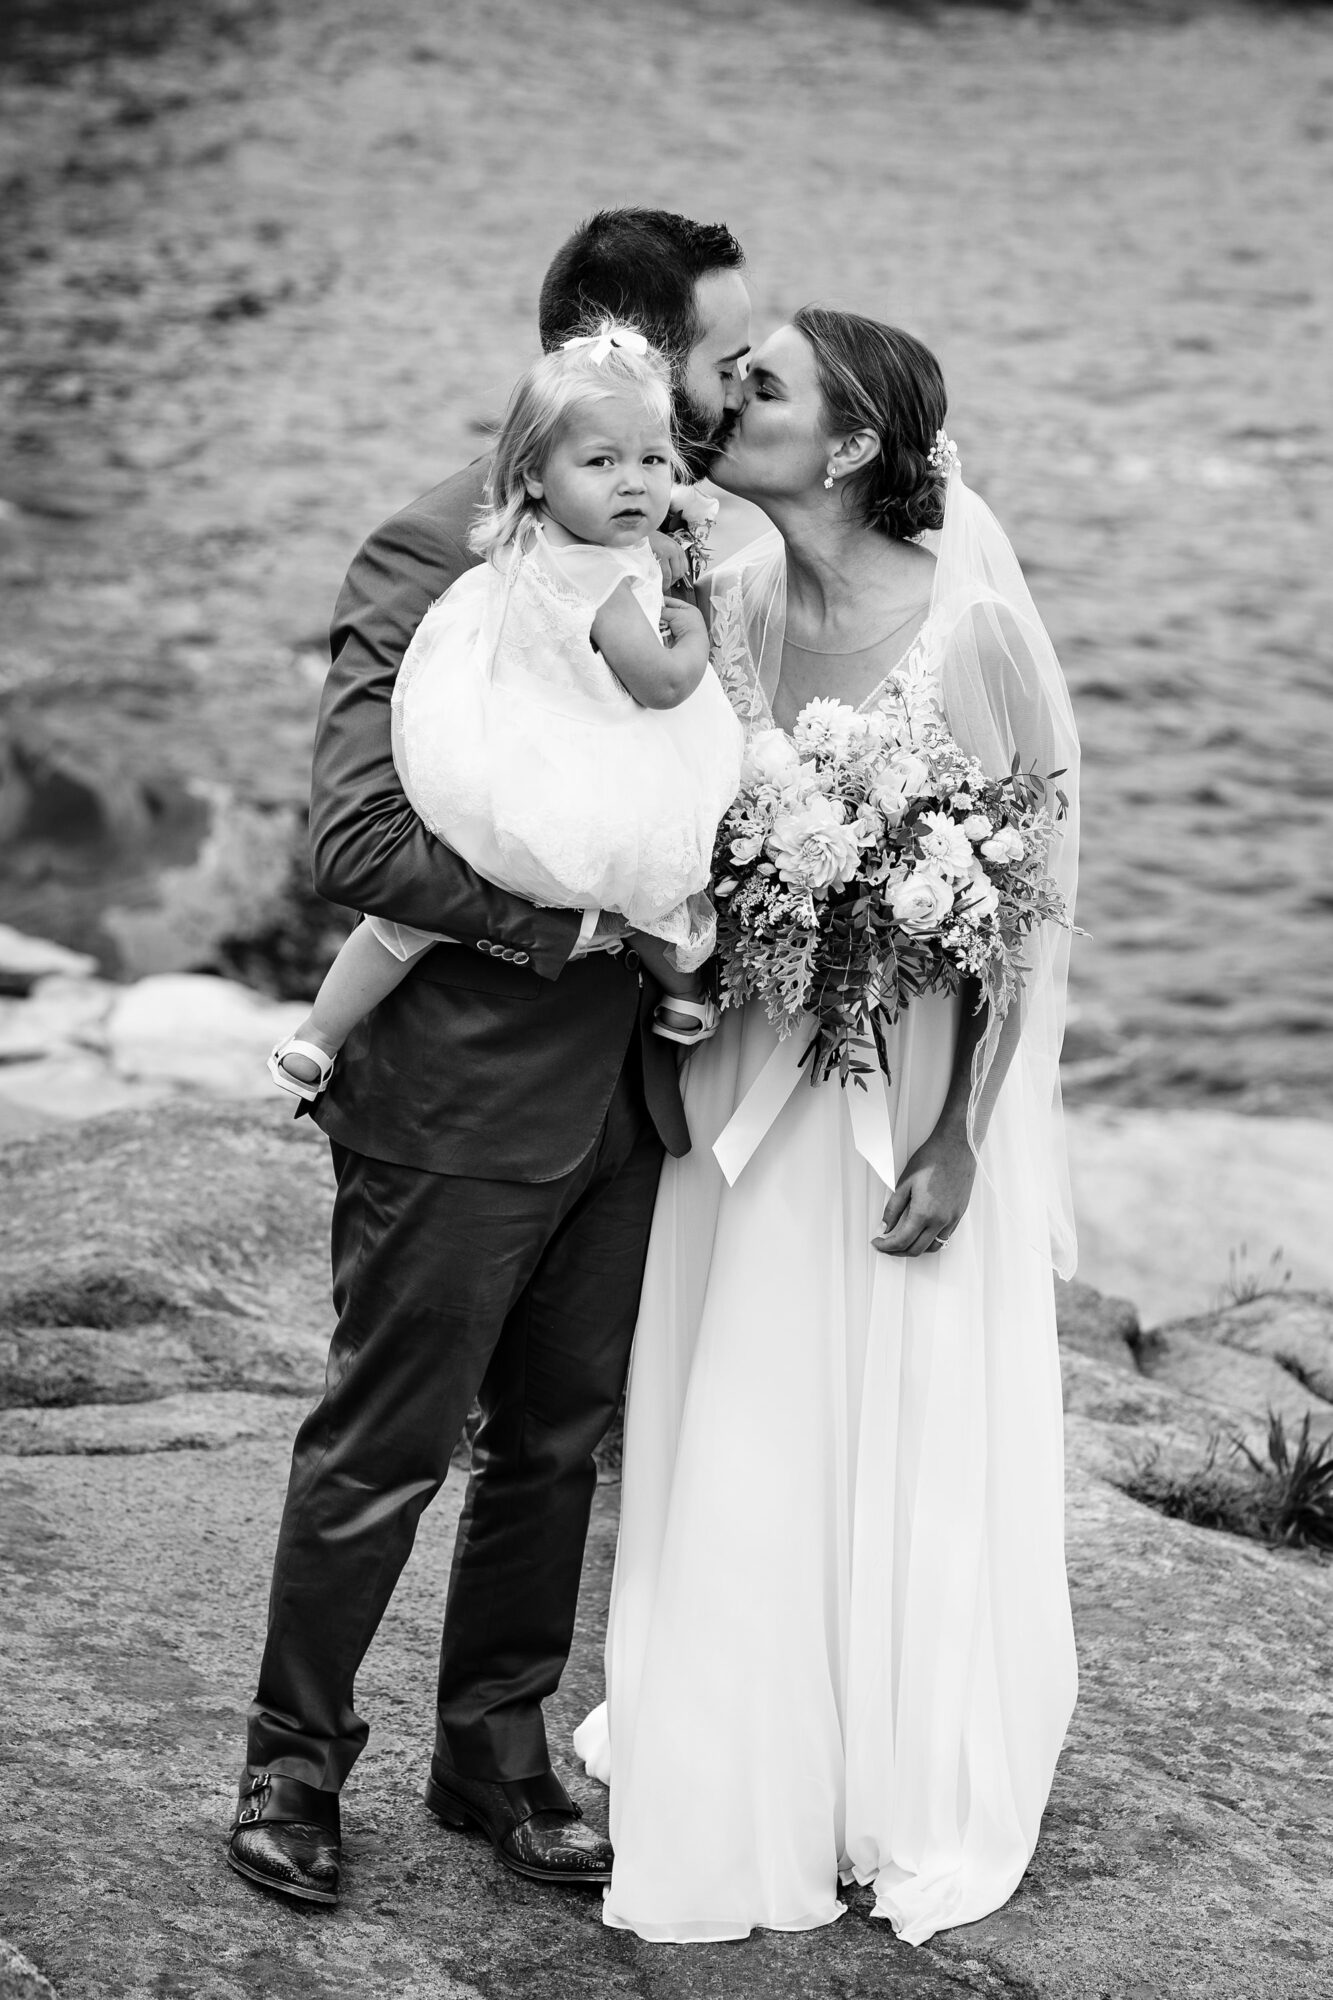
(878, 378)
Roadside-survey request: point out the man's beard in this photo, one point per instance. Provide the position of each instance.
(700, 435)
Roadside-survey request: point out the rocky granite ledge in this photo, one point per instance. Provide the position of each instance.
(163, 1315)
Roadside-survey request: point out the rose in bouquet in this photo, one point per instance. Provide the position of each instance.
(868, 859)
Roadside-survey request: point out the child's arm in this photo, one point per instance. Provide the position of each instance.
(658, 676)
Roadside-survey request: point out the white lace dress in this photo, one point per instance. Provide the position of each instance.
(839, 1642)
(520, 749)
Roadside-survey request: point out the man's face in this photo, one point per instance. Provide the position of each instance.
(710, 391)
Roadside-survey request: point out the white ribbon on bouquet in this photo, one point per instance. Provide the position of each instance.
(757, 1111)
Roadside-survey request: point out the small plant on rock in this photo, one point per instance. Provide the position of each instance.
(1297, 1476)
(1282, 1496)
(1243, 1283)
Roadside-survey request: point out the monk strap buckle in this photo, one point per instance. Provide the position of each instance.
(257, 1788)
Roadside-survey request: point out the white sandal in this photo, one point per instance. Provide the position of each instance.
(705, 1012)
(296, 1085)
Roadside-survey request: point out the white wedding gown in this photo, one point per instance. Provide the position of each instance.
(839, 1641)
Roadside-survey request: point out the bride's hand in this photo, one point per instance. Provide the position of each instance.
(931, 1197)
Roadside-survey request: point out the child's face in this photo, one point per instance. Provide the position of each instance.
(607, 478)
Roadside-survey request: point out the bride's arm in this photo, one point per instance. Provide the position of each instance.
(935, 1186)
(1003, 695)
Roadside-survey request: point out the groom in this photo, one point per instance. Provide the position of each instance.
(497, 1128)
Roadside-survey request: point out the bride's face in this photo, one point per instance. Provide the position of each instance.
(778, 446)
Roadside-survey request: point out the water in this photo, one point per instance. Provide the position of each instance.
(263, 287)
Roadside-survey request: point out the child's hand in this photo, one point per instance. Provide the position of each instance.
(687, 634)
(672, 558)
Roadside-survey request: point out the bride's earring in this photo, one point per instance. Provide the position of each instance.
(828, 482)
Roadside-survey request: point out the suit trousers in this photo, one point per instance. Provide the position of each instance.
(522, 1297)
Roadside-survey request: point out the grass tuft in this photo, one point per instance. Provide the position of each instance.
(1282, 1496)
(1243, 1283)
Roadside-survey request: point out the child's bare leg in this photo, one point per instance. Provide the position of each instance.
(678, 985)
(364, 973)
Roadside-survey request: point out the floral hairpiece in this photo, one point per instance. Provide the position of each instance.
(943, 454)
(626, 337)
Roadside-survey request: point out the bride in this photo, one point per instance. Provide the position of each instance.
(839, 1626)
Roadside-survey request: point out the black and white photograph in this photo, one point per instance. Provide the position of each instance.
(666, 999)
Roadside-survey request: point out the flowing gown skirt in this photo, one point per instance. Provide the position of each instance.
(839, 1641)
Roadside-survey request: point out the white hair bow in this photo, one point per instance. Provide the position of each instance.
(601, 343)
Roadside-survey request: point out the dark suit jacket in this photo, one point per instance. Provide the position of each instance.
(496, 1056)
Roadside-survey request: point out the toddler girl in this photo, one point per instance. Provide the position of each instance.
(555, 720)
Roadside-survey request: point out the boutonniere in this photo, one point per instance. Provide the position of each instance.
(691, 518)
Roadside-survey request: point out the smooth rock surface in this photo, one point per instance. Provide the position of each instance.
(193, 1029)
(1293, 1329)
(71, 1084)
(1167, 1199)
(24, 958)
(187, 1420)
(179, 1248)
(1238, 1386)
(1183, 1850)
(58, 1010)
(1105, 1328)
(80, 1048)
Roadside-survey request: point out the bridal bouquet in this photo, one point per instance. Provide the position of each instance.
(867, 859)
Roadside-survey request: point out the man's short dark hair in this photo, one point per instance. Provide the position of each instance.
(640, 265)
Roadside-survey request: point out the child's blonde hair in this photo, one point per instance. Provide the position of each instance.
(584, 371)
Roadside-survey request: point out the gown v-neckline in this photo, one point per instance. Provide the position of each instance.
(876, 693)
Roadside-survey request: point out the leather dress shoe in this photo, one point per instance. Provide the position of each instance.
(532, 1824)
(286, 1835)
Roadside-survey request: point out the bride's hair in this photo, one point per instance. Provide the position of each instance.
(554, 390)
(878, 378)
